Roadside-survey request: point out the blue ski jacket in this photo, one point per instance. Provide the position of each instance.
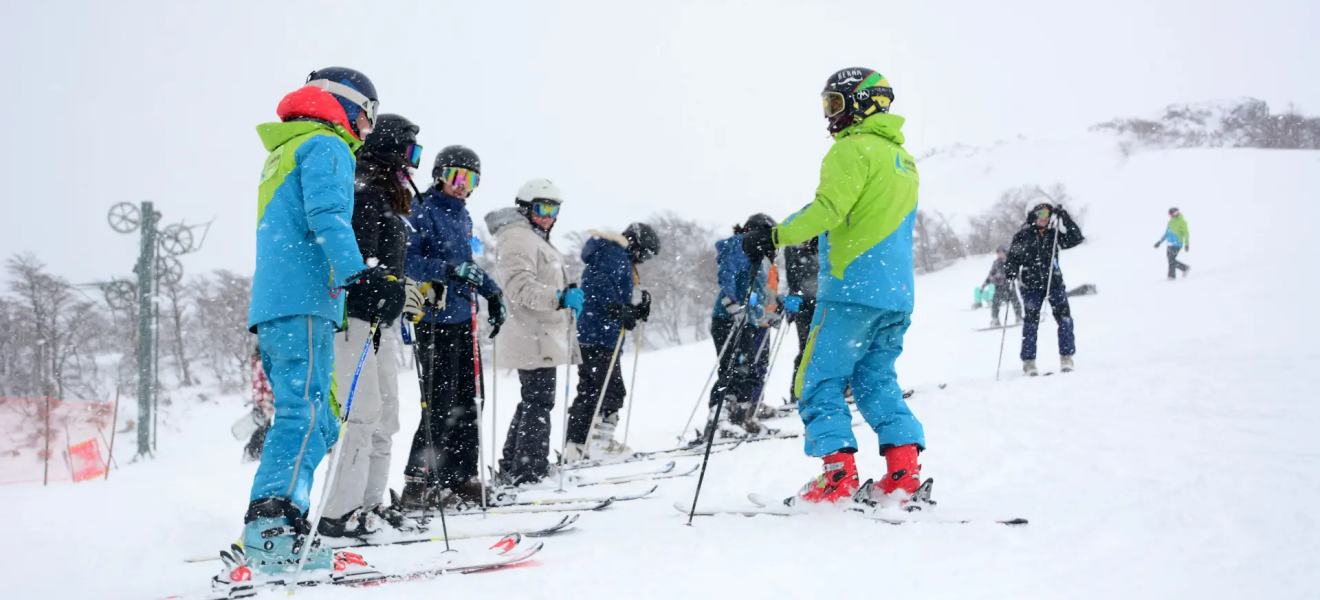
(735, 276)
(441, 237)
(607, 279)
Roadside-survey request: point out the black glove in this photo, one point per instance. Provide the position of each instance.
(497, 312)
(644, 307)
(623, 313)
(1063, 214)
(758, 242)
(383, 293)
(1157, 244)
(468, 273)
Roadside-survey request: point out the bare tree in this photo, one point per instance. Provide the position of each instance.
(220, 337)
(176, 325)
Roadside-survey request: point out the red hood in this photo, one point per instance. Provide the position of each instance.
(315, 103)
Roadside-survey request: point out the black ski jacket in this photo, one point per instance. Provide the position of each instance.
(1033, 253)
(381, 234)
(803, 265)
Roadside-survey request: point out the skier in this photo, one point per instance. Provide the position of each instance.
(1034, 254)
(263, 408)
(1003, 291)
(740, 305)
(863, 211)
(440, 251)
(607, 281)
(355, 505)
(802, 263)
(1179, 239)
(306, 255)
(539, 337)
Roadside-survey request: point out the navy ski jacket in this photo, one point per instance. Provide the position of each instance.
(607, 279)
(442, 230)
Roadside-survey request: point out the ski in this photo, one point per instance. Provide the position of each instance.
(998, 328)
(641, 456)
(508, 554)
(569, 506)
(668, 473)
(571, 500)
(762, 505)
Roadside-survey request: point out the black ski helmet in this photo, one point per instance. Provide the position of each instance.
(360, 94)
(1173, 211)
(393, 142)
(760, 221)
(853, 94)
(643, 243)
(456, 156)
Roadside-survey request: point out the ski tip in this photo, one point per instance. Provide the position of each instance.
(1017, 521)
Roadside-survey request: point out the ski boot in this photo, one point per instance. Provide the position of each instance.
(273, 542)
(602, 443)
(357, 523)
(467, 496)
(1065, 363)
(837, 482)
(901, 487)
(417, 495)
(574, 452)
(994, 322)
(1029, 367)
(392, 516)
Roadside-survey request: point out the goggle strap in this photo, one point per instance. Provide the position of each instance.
(348, 93)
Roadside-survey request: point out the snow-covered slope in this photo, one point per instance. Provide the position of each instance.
(1178, 461)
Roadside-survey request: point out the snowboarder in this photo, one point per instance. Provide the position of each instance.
(440, 252)
(740, 305)
(863, 212)
(802, 262)
(532, 273)
(1034, 254)
(1003, 291)
(355, 506)
(607, 281)
(306, 255)
(1178, 239)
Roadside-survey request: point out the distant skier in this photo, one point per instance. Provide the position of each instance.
(1003, 291)
(1035, 255)
(355, 507)
(539, 338)
(740, 305)
(607, 281)
(440, 252)
(864, 211)
(1178, 239)
(306, 255)
(802, 262)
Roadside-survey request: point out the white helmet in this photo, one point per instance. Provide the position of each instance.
(539, 189)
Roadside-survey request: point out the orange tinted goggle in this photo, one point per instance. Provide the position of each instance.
(833, 103)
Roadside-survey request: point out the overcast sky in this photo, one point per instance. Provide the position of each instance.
(710, 109)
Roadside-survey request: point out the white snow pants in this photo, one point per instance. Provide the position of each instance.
(364, 466)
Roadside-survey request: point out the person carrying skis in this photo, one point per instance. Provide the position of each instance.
(607, 281)
(1178, 239)
(306, 256)
(539, 336)
(1003, 291)
(355, 507)
(736, 330)
(802, 262)
(440, 252)
(1034, 256)
(863, 212)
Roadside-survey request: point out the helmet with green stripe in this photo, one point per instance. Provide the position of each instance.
(854, 94)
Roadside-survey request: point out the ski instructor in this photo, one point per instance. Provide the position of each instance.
(863, 211)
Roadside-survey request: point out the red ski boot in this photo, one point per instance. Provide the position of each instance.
(838, 482)
(901, 484)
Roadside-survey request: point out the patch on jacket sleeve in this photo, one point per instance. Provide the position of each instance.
(272, 165)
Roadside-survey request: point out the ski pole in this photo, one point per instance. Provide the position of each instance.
(1003, 335)
(568, 375)
(605, 384)
(718, 361)
(719, 404)
(430, 445)
(333, 466)
(476, 400)
(632, 384)
(774, 356)
(494, 402)
(760, 350)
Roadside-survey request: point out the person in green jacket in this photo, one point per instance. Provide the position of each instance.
(863, 214)
(1178, 239)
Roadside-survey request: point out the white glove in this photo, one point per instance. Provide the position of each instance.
(733, 308)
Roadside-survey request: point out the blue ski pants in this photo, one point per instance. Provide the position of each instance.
(1034, 300)
(298, 355)
(857, 345)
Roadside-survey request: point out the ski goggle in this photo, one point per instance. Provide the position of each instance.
(366, 104)
(456, 176)
(412, 155)
(1043, 213)
(545, 209)
(834, 103)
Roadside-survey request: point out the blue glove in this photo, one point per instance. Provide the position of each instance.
(571, 298)
(468, 273)
(792, 303)
(753, 300)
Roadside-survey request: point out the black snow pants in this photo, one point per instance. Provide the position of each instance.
(449, 391)
(739, 379)
(1006, 293)
(527, 447)
(1174, 265)
(591, 377)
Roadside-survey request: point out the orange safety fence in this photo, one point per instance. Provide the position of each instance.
(77, 434)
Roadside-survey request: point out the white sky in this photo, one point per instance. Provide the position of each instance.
(710, 109)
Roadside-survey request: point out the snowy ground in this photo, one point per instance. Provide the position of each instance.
(1178, 461)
